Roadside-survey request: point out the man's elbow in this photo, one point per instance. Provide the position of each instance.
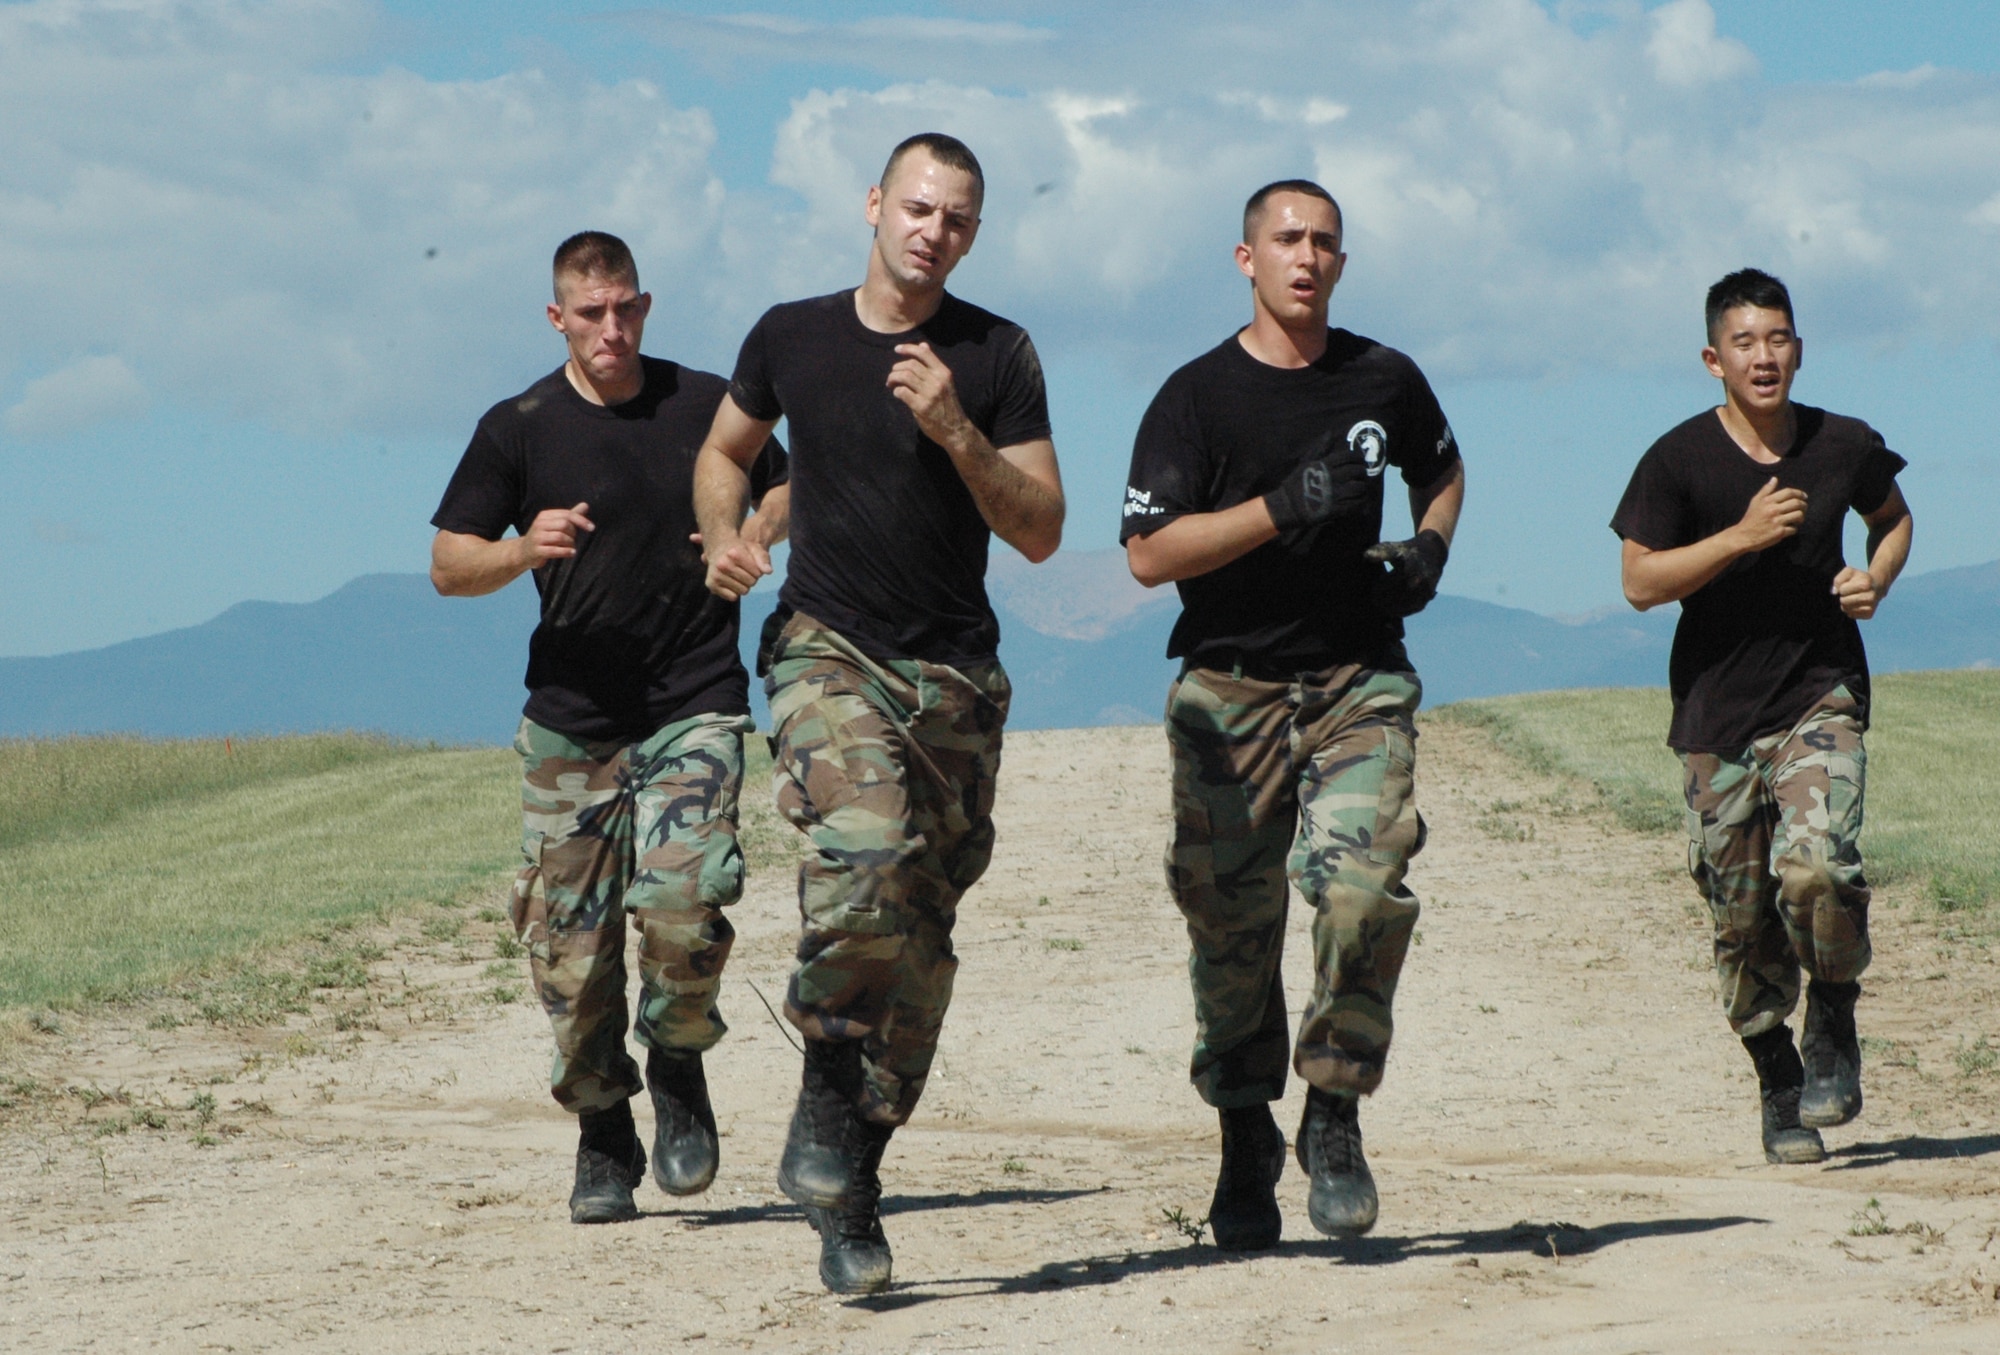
(1145, 564)
(1042, 539)
(1041, 546)
(1641, 598)
(446, 585)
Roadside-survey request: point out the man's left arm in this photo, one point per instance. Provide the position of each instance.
(1890, 529)
(1416, 566)
(1436, 506)
(1018, 488)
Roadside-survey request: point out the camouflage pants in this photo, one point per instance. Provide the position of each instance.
(1313, 779)
(1773, 842)
(889, 769)
(610, 829)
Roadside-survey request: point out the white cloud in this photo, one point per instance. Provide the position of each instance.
(252, 228)
(1522, 198)
(86, 393)
(312, 249)
(1686, 51)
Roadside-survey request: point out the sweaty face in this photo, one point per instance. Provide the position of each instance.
(1293, 258)
(604, 320)
(1756, 353)
(924, 217)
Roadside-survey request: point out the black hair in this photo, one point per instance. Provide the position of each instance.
(1747, 287)
(948, 151)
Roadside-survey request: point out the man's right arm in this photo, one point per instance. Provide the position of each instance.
(1199, 542)
(467, 566)
(1653, 578)
(722, 500)
(1318, 491)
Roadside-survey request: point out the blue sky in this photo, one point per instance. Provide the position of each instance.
(266, 264)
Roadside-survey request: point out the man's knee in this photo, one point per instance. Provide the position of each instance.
(1350, 888)
(1811, 875)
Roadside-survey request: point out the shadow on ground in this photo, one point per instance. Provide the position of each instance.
(1913, 1148)
(1551, 1240)
(891, 1206)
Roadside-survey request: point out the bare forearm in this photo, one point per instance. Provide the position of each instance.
(1022, 510)
(1653, 578)
(1199, 542)
(772, 522)
(467, 566)
(1889, 550)
(1435, 507)
(721, 497)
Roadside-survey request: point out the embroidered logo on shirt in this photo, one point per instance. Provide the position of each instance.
(1371, 440)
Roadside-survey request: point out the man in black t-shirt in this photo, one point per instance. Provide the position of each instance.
(632, 738)
(919, 428)
(1257, 485)
(1737, 515)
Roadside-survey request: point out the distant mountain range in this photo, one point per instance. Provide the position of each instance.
(1084, 644)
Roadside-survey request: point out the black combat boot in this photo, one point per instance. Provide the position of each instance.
(609, 1163)
(1779, 1077)
(1343, 1201)
(685, 1150)
(1832, 1053)
(853, 1251)
(1244, 1213)
(823, 1147)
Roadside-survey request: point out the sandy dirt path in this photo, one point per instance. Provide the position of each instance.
(1566, 1142)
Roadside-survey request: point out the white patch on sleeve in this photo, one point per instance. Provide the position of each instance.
(1139, 503)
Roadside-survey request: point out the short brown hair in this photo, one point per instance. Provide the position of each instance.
(593, 254)
(948, 151)
(1255, 207)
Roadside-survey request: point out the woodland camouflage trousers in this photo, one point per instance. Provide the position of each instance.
(889, 768)
(1773, 838)
(611, 829)
(1311, 779)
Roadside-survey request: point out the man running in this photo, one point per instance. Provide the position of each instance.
(919, 428)
(1737, 515)
(632, 739)
(1257, 486)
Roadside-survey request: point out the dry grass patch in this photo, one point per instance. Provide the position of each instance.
(1933, 801)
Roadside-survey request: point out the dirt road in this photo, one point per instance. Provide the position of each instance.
(1566, 1142)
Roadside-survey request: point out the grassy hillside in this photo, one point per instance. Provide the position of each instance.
(58, 788)
(128, 864)
(1933, 810)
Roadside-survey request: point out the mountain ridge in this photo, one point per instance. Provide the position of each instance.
(1084, 644)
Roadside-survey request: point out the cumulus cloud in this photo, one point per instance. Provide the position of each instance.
(82, 395)
(255, 226)
(1523, 197)
(311, 249)
(1685, 50)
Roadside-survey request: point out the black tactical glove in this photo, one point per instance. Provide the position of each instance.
(1414, 568)
(1320, 491)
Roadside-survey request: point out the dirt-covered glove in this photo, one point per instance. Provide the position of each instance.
(1320, 491)
(1414, 568)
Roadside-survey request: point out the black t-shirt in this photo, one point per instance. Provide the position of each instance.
(630, 638)
(1227, 428)
(1765, 639)
(888, 546)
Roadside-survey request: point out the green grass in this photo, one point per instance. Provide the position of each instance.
(145, 864)
(1933, 809)
(62, 787)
